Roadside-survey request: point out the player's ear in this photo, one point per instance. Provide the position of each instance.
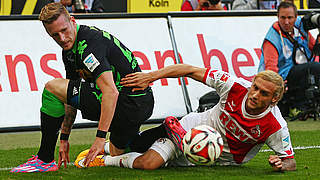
(274, 100)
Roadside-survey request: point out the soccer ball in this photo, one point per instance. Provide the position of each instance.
(202, 145)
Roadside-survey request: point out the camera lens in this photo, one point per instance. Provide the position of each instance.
(79, 6)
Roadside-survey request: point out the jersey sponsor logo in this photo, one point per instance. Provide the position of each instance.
(235, 129)
(91, 62)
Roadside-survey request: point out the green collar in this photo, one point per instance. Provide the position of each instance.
(74, 47)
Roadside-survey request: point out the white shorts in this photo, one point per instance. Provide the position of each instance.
(166, 148)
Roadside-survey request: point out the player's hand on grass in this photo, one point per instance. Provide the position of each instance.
(138, 80)
(63, 153)
(95, 149)
(276, 162)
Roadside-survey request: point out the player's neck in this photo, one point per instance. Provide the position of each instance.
(255, 111)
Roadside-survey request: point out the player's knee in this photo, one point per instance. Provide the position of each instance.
(53, 84)
(50, 85)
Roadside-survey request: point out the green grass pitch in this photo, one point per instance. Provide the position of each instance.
(16, 148)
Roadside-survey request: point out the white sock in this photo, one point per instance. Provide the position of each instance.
(107, 148)
(124, 160)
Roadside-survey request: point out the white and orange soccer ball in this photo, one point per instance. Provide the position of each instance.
(202, 145)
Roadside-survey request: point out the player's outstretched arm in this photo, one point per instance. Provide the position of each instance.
(142, 80)
(109, 99)
(282, 165)
(70, 116)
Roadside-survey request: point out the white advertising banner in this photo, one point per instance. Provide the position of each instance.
(29, 58)
(232, 44)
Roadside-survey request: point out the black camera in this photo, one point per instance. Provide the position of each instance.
(313, 91)
(212, 2)
(311, 21)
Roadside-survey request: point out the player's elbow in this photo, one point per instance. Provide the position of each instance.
(112, 92)
(115, 93)
(110, 95)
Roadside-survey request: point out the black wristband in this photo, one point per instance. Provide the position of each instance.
(101, 134)
(64, 136)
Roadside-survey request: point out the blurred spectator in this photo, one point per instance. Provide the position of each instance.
(273, 4)
(306, 4)
(201, 5)
(289, 49)
(82, 6)
(255, 4)
(67, 4)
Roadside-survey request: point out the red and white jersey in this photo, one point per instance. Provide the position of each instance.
(244, 134)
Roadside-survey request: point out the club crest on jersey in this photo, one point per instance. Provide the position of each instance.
(91, 62)
(255, 131)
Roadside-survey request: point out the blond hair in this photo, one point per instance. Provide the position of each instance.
(52, 11)
(276, 79)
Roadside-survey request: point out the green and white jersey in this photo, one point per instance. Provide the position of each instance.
(96, 51)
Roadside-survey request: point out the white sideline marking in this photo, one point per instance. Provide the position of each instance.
(299, 147)
(264, 150)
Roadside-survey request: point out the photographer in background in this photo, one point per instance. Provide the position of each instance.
(290, 50)
(201, 5)
(82, 6)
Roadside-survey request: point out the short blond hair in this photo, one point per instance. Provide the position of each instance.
(52, 12)
(276, 79)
